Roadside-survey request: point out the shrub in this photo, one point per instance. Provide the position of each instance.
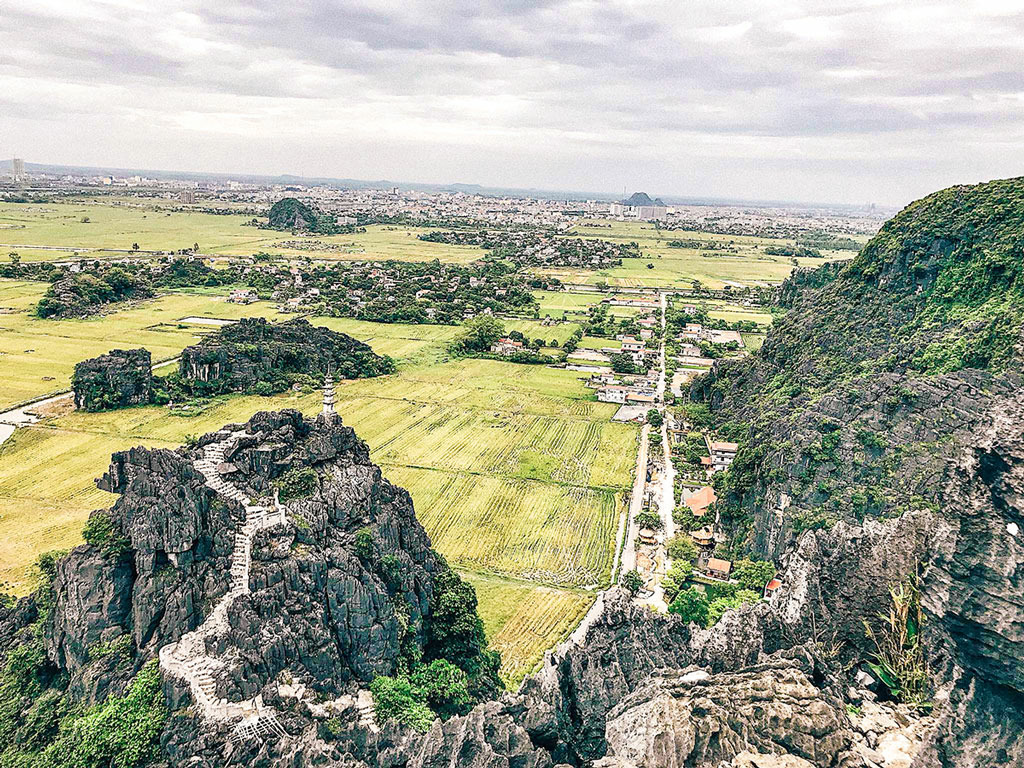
(632, 581)
(394, 697)
(99, 532)
(444, 687)
(122, 732)
(296, 483)
(753, 574)
(899, 658)
(364, 543)
(720, 605)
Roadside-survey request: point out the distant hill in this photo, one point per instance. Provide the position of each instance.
(642, 198)
(290, 213)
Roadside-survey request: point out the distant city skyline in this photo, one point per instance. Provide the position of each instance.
(854, 101)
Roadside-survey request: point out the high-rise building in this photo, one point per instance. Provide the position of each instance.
(18, 169)
(187, 196)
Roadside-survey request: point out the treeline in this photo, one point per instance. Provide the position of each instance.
(85, 292)
(794, 251)
(526, 248)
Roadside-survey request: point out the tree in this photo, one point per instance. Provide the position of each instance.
(601, 285)
(648, 520)
(135, 246)
(444, 688)
(676, 578)
(654, 418)
(479, 333)
(753, 574)
(682, 550)
(623, 363)
(692, 605)
(456, 633)
(553, 343)
(632, 581)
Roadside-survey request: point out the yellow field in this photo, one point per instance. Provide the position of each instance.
(522, 620)
(39, 356)
(679, 267)
(148, 223)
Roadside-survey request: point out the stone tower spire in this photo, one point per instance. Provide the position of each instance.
(329, 411)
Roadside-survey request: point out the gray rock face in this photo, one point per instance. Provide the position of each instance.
(693, 718)
(120, 378)
(241, 355)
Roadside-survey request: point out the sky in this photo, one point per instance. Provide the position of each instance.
(840, 101)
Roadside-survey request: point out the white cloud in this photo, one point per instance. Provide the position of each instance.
(846, 100)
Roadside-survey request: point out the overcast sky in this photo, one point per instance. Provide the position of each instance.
(844, 100)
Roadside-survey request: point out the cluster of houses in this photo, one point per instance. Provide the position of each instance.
(506, 347)
(696, 333)
(624, 388)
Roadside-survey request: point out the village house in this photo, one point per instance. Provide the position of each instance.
(640, 398)
(601, 379)
(690, 350)
(242, 296)
(700, 501)
(718, 569)
(721, 453)
(646, 333)
(613, 394)
(506, 347)
(771, 589)
(647, 322)
(633, 346)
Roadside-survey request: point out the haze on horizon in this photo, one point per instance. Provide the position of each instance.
(845, 101)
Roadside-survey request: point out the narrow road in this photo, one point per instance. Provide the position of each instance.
(636, 503)
(23, 415)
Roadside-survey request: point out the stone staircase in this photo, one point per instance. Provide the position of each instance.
(364, 706)
(188, 658)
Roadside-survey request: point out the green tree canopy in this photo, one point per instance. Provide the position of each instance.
(692, 605)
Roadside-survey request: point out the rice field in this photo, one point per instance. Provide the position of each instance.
(96, 228)
(664, 266)
(38, 356)
(545, 533)
(516, 472)
(522, 621)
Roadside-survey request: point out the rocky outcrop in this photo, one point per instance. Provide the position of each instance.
(254, 355)
(120, 378)
(694, 718)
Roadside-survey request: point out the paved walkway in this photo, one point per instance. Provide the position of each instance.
(188, 659)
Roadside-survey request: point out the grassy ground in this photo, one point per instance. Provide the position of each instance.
(154, 228)
(523, 620)
(679, 267)
(38, 356)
